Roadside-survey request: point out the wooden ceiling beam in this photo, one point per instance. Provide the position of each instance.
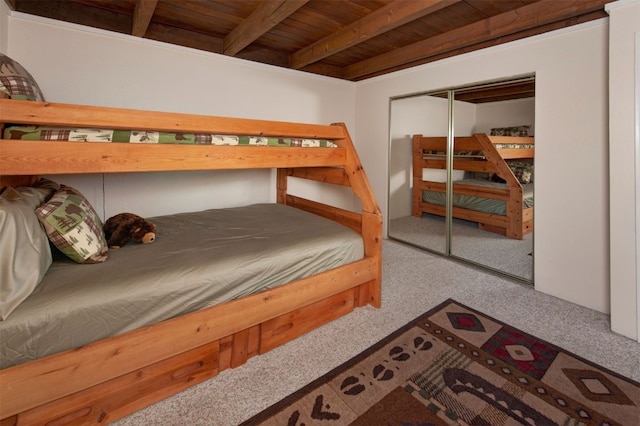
(378, 22)
(533, 15)
(266, 16)
(142, 15)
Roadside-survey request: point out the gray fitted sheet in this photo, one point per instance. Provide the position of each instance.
(198, 260)
(479, 204)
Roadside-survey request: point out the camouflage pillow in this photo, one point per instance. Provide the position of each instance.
(511, 131)
(16, 82)
(522, 170)
(73, 226)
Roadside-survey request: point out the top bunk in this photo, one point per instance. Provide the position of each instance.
(478, 154)
(55, 156)
(304, 149)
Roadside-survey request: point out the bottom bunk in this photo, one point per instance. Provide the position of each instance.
(483, 202)
(95, 342)
(167, 335)
(198, 260)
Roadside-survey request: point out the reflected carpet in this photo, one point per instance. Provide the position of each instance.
(454, 365)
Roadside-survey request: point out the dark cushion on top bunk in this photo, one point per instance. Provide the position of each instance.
(25, 255)
(511, 131)
(16, 81)
(73, 226)
(522, 170)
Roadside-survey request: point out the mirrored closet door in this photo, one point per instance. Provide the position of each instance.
(461, 174)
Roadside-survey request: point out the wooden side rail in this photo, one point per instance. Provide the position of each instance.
(70, 115)
(47, 157)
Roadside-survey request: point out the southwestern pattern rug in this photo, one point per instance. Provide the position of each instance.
(457, 366)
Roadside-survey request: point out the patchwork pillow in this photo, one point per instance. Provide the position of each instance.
(25, 254)
(16, 82)
(73, 226)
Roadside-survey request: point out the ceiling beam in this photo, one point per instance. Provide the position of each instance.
(382, 20)
(142, 15)
(536, 14)
(266, 16)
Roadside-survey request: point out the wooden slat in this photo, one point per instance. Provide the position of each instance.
(391, 16)
(142, 15)
(56, 114)
(516, 153)
(345, 217)
(48, 157)
(334, 175)
(29, 385)
(467, 165)
(462, 189)
(266, 16)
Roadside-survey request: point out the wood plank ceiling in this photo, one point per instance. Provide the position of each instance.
(345, 39)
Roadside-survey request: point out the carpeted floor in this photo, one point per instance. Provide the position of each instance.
(468, 242)
(454, 365)
(414, 281)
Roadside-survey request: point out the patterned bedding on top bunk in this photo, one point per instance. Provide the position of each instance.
(45, 133)
(519, 131)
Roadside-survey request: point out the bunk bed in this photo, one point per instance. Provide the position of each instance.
(496, 190)
(106, 379)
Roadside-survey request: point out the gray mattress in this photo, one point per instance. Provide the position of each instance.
(479, 204)
(198, 260)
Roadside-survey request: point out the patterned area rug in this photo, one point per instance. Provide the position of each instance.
(456, 366)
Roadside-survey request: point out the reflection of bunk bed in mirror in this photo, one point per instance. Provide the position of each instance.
(497, 188)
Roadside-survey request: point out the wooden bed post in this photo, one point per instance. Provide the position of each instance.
(371, 214)
(417, 176)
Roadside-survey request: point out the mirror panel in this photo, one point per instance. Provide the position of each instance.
(493, 234)
(423, 114)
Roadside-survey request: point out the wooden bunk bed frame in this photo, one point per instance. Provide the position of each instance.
(517, 222)
(108, 379)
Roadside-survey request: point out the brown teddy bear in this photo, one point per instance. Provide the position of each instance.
(123, 227)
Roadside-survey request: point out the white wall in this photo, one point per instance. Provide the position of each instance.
(624, 166)
(519, 112)
(571, 213)
(4, 26)
(76, 64)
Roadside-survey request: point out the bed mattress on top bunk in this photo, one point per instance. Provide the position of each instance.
(46, 133)
(198, 260)
(485, 205)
